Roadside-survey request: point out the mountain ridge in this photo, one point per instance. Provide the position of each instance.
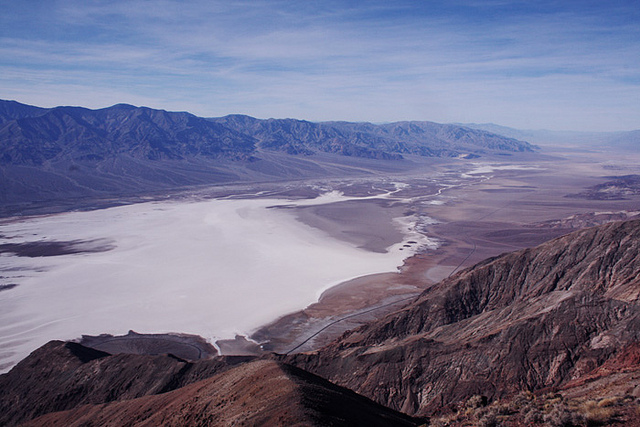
(70, 384)
(65, 153)
(527, 320)
(261, 392)
(179, 130)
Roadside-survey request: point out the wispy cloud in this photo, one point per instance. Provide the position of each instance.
(534, 64)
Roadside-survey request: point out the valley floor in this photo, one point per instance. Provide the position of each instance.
(440, 220)
(504, 207)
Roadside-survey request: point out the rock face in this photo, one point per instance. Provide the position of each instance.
(527, 320)
(67, 384)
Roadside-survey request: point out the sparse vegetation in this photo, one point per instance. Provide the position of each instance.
(476, 401)
(548, 410)
(489, 420)
(561, 416)
(599, 413)
(534, 416)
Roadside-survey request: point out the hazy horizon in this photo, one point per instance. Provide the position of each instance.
(526, 65)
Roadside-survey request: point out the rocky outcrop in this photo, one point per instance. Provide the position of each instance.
(618, 188)
(527, 320)
(63, 375)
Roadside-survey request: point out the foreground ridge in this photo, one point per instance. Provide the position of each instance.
(68, 384)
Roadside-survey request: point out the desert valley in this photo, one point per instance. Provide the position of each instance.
(159, 268)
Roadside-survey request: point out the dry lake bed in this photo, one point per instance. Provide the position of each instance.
(286, 266)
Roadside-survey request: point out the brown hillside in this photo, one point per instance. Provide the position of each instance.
(527, 320)
(259, 393)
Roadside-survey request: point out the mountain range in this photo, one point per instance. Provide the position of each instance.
(66, 153)
(543, 336)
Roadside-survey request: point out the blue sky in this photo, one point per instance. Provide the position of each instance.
(526, 64)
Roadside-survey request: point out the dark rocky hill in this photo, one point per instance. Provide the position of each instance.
(529, 320)
(74, 153)
(67, 384)
(60, 376)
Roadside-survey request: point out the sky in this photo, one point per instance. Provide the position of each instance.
(559, 65)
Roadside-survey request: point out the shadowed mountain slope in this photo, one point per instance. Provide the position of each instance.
(527, 320)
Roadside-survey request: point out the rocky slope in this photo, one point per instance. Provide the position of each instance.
(60, 376)
(67, 384)
(527, 320)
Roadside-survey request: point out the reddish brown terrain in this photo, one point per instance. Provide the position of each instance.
(530, 320)
(257, 393)
(67, 384)
(60, 376)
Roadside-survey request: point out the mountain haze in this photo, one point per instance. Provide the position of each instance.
(624, 141)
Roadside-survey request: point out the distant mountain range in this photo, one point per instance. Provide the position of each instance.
(33, 136)
(73, 152)
(542, 336)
